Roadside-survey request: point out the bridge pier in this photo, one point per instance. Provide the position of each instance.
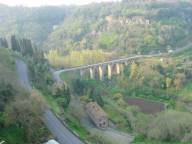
(121, 68)
(101, 73)
(91, 71)
(117, 69)
(81, 73)
(109, 71)
(126, 63)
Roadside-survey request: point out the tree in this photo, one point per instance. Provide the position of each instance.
(79, 86)
(3, 43)
(133, 71)
(95, 95)
(15, 44)
(170, 126)
(179, 80)
(40, 73)
(26, 47)
(168, 82)
(63, 95)
(150, 40)
(26, 112)
(6, 94)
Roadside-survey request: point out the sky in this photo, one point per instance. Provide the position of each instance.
(31, 3)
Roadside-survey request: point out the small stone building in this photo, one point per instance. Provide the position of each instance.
(97, 115)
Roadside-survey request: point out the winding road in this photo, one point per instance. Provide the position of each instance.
(63, 135)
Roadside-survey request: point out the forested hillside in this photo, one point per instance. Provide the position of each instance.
(121, 28)
(50, 38)
(124, 28)
(32, 23)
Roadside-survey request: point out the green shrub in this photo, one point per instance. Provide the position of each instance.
(171, 126)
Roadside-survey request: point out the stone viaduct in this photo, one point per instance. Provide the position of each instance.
(108, 68)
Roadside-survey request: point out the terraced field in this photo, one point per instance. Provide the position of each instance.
(146, 106)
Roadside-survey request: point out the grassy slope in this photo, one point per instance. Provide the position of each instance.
(186, 91)
(50, 101)
(115, 115)
(12, 134)
(54, 105)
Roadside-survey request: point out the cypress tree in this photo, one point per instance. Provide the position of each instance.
(15, 46)
(3, 43)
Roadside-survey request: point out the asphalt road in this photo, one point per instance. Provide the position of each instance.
(22, 73)
(63, 135)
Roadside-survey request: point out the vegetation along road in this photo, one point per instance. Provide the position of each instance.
(63, 135)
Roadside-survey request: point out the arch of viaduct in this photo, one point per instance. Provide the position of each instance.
(108, 68)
